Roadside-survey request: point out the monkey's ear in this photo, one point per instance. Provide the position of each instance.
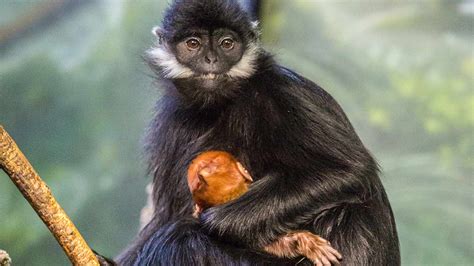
(158, 32)
(255, 27)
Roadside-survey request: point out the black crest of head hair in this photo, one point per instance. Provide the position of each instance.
(185, 15)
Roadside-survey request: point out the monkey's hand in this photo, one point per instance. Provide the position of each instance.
(103, 261)
(305, 243)
(271, 207)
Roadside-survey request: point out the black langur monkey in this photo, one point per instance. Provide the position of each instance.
(223, 91)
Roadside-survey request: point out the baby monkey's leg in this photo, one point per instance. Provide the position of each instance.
(305, 243)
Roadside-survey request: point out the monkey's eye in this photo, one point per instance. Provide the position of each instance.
(227, 43)
(193, 44)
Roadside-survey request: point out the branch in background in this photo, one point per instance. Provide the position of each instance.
(34, 18)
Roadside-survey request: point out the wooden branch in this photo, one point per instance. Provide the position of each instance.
(15, 164)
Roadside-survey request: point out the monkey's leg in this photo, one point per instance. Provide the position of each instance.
(185, 243)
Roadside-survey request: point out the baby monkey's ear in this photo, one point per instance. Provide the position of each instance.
(158, 32)
(244, 172)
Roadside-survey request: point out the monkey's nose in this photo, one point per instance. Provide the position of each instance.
(210, 59)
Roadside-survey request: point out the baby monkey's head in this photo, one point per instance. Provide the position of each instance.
(216, 177)
(205, 46)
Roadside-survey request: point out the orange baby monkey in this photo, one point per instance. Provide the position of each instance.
(216, 177)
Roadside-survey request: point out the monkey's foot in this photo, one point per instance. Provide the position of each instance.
(305, 243)
(317, 249)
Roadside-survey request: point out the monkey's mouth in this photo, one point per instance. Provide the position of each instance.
(210, 76)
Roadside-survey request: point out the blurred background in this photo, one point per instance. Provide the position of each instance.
(76, 96)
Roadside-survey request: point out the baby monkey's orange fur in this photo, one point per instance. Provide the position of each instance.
(216, 177)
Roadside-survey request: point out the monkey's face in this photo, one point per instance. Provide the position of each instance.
(206, 48)
(208, 58)
(210, 55)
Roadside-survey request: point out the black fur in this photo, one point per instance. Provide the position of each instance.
(310, 168)
(185, 15)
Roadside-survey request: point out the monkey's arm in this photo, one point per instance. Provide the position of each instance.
(319, 164)
(272, 207)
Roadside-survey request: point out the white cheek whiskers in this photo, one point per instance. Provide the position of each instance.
(246, 67)
(162, 57)
(170, 68)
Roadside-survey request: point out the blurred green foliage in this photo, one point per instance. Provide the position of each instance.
(76, 97)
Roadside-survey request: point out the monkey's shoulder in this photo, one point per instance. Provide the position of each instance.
(282, 85)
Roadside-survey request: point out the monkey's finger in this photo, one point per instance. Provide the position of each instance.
(334, 252)
(317, 262)
(315, 256)
(322, 240)
(325, 261)
(331, 257)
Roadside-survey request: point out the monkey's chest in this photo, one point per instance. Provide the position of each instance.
(246, 144)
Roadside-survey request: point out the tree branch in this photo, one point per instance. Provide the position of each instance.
(15, 164)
